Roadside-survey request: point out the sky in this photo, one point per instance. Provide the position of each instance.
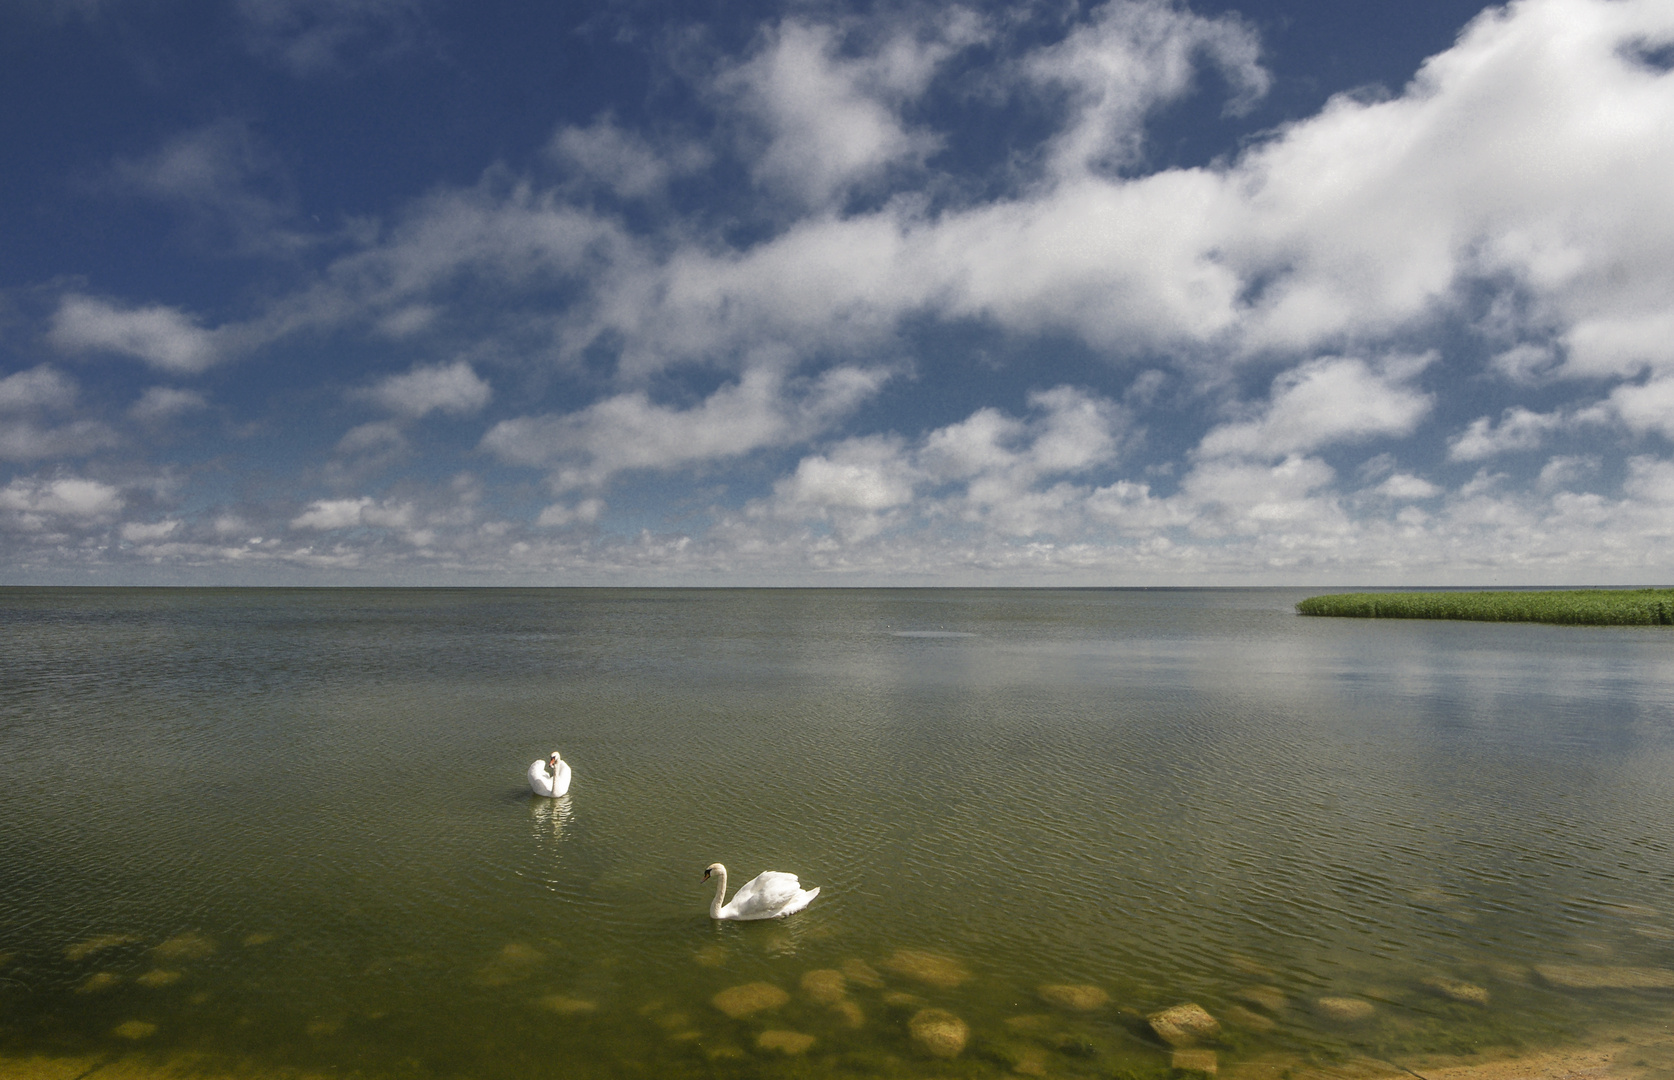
(1131, 293)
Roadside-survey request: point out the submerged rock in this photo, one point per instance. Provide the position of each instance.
(1249, 1019)
(99, 980)
(135, 1029)
(1031, 1061)
(850, 1012)
(81, 950)
(1032, 1023)
(711, 955)
(1345, 1010)
(1457, 989)
(1184, 1025)
(825, 985)
(936, 970)
(939, 1032)
(1250, 967)
(514, 962)
(158, 977)
(187, 946)
(741, 1001)
(1200, 1062)
(1602, 977)
(1077, 996)
(257, 939)
(564, 1005)
(861, 973)
(900, 999)
(786, 1042)
(1270, 998)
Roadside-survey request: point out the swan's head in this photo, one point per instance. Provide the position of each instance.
(554, 758)
(713, 868)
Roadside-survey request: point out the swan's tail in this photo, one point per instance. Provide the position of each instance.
(803, 899)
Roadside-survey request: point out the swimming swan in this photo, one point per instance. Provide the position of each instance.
(768, 895)
(553, 785)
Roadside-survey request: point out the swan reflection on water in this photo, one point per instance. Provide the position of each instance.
(550, 816)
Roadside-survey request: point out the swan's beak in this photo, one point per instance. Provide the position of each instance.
(706, 875)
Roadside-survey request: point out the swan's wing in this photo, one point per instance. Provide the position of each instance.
(802, 899)
(561, 782)
(764, 894)
(539, 782)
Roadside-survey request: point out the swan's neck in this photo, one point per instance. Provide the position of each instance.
(720, 890)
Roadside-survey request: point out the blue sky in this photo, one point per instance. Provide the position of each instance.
(1122, 293)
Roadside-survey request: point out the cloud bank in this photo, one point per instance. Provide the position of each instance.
(906, 299)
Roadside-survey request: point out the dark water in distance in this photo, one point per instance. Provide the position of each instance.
(289, 829)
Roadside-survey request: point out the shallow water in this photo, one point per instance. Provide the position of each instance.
(290, 828)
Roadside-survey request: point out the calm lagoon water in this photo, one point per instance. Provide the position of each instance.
(289, 829)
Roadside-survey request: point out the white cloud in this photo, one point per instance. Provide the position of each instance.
(378, 437)
(27, 432)
(1518, 429)
(1239, 497)
(451, 388)
(161, 336)
(1646, 407)
(1407, 486)
(629, 431)
(32, 505)
(831, 120)
(1525, 363)
(328, 514)
(1324, 402)
(41, 387)
(160, 403)
(623, 161)
(27, 440)
(148, 533)
(1133, 56)
(558, 515)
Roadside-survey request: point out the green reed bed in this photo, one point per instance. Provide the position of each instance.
(1576, 607)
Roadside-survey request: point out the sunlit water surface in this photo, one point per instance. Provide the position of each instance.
(291, 830)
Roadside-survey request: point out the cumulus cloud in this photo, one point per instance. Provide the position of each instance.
(623, 161)
(630, 431)
(1407, 486)
(138, 532)
(42, 387)
(451, 388)
(1008, 473)
(1646, 407)
(33, 504)
(1327, 401)
(364, 512)
(831, 120)
(1129, 59)
(160, 403)
(163, 337)
(1518, 429)
(29, 430)
(560, 515)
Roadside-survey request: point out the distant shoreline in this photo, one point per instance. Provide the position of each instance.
(1572, 607)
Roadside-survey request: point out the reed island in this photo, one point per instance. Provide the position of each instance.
(1576, 607)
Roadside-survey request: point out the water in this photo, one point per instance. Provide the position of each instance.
(273, 830)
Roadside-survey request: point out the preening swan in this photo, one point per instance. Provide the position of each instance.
(550, 777)
(768, 895)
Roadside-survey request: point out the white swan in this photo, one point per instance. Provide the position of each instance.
(550, 777)
(768, 895)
